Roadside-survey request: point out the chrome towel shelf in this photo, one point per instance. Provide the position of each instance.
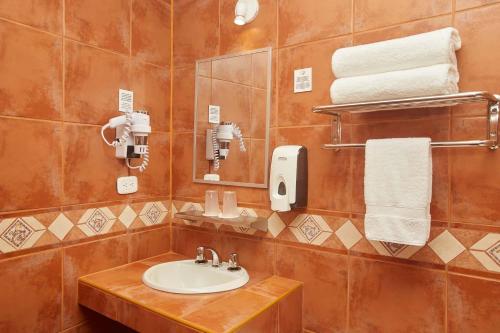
(493, 108)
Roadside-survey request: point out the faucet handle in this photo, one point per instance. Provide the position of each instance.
(234, 265)
(200, 255)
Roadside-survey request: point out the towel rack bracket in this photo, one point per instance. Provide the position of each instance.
(493, 113)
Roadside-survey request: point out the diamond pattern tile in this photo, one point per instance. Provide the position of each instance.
(310, 229)
(153, 213)
(61, 226)
(487, 252)
(394, 249)
(348, 234)
(446, 246)
(127, 216)
(19, 233)
(275, 224)
(96, 221)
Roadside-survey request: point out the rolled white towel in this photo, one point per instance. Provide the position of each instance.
(430, 48)
(424, 81)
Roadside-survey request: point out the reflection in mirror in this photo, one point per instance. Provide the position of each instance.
(232, 115)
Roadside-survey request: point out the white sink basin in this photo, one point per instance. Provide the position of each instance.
(186, 277)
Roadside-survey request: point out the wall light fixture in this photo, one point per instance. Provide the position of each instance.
(246, 11)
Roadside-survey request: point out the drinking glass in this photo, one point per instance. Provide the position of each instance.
(211, 203)
(229, 205)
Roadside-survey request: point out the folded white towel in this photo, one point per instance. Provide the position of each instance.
(398, 190)
(430, 48)
(424, 81)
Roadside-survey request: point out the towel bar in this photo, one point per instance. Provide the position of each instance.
(493, 111)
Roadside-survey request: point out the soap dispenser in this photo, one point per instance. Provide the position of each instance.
(288, 183)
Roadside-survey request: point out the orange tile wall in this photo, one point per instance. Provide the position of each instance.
(61, 65)
(355, 290)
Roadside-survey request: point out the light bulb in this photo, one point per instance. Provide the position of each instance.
(239, 20)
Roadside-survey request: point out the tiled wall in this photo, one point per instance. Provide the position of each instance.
(450, 285)
(62, 63)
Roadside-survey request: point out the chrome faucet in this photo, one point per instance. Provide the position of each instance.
(234, 264)
(200, 256)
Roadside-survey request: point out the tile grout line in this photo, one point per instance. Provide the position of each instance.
(492, 4)
(351, 174)
(450, 192)
(393, 25)
(354, 33)
(63, 115)
(171, 127)
(59, 121)
(63, 106)
(30, 27)
(219, 28)
(80, 206)
(348, 293)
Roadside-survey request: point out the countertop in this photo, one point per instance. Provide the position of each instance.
(119, 294)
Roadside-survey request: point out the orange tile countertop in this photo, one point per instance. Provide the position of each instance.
(119, 294)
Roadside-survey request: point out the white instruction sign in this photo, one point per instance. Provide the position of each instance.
(302, 80)
(125, 100)
(214, 114)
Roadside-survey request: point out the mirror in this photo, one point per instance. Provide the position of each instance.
(231, 119)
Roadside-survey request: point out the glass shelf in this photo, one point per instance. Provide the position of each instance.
(258, 223)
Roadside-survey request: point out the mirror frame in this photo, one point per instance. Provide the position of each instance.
(268, 119)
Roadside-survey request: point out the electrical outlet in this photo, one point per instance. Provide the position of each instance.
(126, 185)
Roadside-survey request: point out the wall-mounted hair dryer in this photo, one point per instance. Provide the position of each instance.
(132, 130)
(218, 140)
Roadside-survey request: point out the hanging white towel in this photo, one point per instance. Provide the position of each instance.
(430, 48)
(398, 190)
(424, 81)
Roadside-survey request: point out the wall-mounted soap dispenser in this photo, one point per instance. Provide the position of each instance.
(288, 183)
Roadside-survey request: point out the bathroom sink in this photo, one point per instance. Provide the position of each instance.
(186, 277)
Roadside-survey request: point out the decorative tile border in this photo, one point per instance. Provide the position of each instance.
(395, 250)
(487, 252)
(25, 232)
(96, 221)
(153, 213)
(275, 224)
(20, 233)
(310, 229)
(61, 226)
(446, 246)
(348, 234)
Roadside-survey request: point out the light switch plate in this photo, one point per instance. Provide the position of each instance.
(126, 185)
(302, 80)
